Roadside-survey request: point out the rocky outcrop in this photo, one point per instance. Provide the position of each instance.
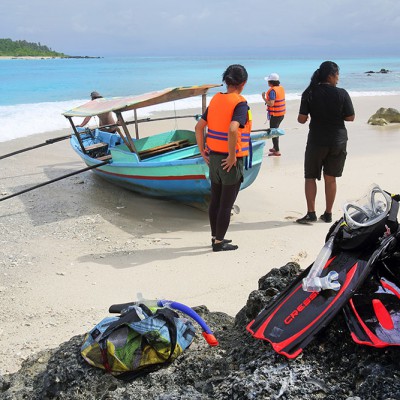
(384, 116)
(332, 367)
(382, 71)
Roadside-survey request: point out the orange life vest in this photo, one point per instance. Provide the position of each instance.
(279, 107)
(219, 118)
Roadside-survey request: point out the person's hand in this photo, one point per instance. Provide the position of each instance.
(263, 97)
(302, 119)
(228, 162)
(205, 157)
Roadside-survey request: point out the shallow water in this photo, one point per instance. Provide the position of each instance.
(36, 92)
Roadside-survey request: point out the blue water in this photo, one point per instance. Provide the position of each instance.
(36, 92)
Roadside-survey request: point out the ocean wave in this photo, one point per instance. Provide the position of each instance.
(373, 93)
(28, 119)
(23, 120)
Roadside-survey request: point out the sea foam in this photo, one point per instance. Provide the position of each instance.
(23, 120)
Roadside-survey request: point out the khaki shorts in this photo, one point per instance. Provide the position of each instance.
(221, 176)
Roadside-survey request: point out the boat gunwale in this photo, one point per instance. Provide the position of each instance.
(144, 163)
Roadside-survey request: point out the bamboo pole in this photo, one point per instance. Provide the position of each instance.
(128, 136)
(55, 180)
(46, 143)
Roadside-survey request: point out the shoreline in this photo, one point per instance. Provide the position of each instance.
(26, 57)
(51, 120)
(71, 249)
(43, 57)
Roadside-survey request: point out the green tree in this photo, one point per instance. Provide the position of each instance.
(21, 48)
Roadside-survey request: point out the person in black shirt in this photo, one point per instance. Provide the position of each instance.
(329, 107)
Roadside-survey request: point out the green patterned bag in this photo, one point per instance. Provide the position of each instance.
(138, 341)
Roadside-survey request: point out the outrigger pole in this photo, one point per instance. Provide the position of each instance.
(47, 142)
(55, 180)
(59, 139)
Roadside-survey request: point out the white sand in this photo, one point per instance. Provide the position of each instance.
(27, 57)
(72, 248)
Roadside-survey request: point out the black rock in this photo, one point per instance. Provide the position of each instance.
(332, 367)
(381, 71)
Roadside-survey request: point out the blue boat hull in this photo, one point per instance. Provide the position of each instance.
(180, 175)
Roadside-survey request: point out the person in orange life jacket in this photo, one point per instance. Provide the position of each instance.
(274, 98)
(329, 107)
(228, 120)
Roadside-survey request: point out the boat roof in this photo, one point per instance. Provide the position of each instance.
(121, 104)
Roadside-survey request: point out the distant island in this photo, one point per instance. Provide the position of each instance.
(22, 48)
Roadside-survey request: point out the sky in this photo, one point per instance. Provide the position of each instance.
(344, 28)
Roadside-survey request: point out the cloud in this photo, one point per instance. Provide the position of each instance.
(123, 27)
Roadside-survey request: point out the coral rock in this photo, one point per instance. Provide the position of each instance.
(384, 116)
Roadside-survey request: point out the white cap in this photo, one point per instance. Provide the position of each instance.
(272, 77)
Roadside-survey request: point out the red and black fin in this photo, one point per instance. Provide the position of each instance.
(373, 313)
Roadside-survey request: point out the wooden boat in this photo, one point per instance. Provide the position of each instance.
(165, 165)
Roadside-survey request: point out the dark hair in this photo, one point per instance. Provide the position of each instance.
(95, 95)
(235, 75)
(321, 74)
(274, 83)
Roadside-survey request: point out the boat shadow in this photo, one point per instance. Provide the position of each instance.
(137, 258)
(86, 194)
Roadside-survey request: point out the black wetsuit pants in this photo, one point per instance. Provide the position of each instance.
(222, 199)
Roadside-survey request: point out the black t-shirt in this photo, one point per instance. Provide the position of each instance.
(327, 106)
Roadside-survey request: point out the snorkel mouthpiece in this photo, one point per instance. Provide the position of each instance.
(313, 282)
(210, 338)
(316, 284)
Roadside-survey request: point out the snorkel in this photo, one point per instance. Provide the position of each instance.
(206, 331)
(314, 282)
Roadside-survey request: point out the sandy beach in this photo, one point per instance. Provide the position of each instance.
(27, 57)
(71, 249)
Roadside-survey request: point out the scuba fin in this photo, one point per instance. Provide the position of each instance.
(373, 313)
(296, 316)
(366, 233)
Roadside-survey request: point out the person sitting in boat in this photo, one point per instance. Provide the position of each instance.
(104, 119)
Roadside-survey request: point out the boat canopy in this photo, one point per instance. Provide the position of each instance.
(121, 104)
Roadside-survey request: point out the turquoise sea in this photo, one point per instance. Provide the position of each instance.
(34, 93)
